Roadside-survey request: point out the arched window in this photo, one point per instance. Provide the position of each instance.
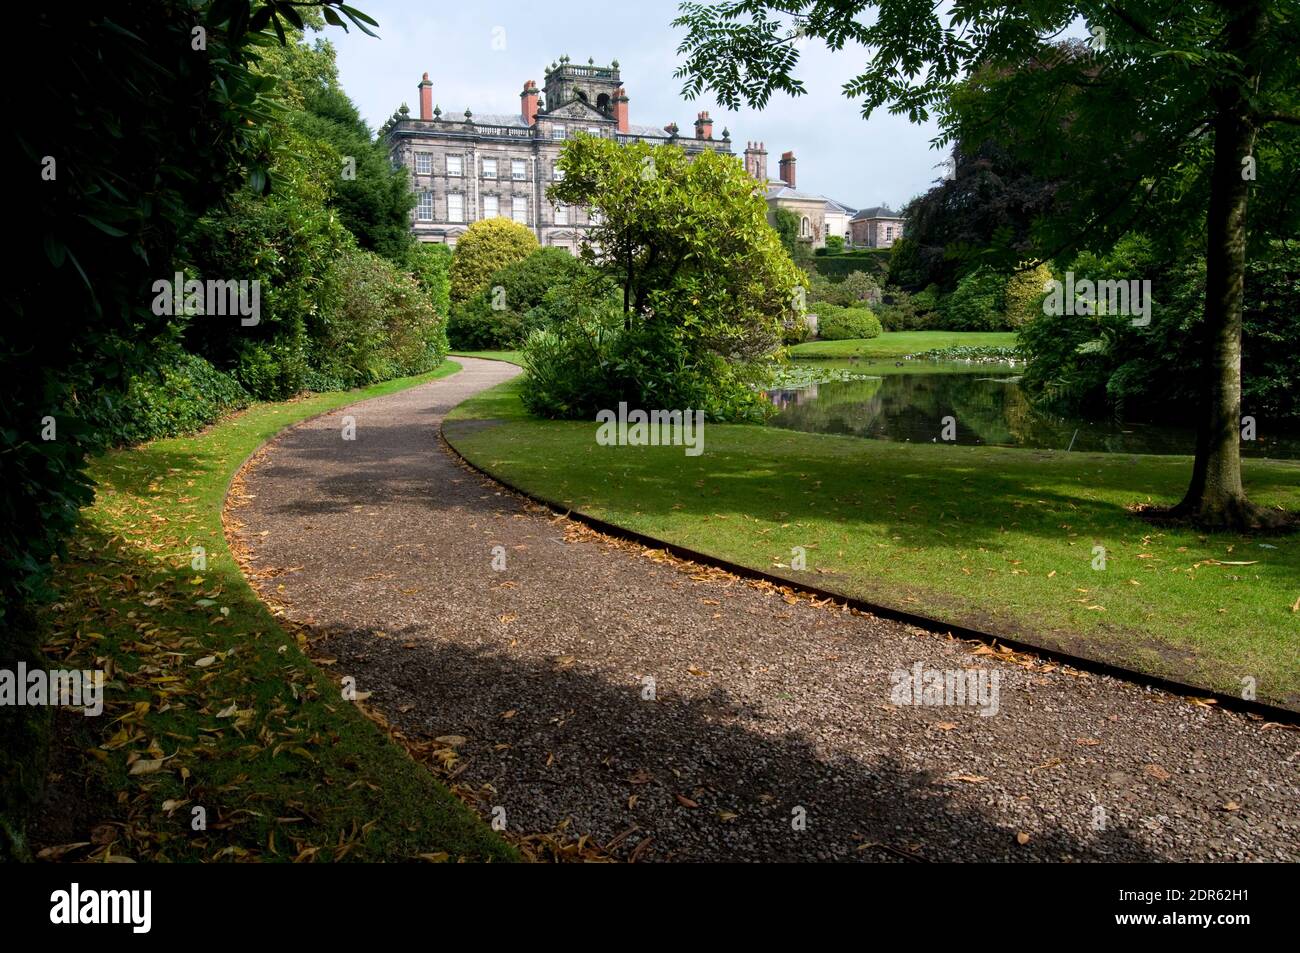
(805, 230)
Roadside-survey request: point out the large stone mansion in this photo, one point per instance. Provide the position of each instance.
(471, 167)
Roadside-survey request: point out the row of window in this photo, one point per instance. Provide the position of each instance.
(491, 208)
(491, 167)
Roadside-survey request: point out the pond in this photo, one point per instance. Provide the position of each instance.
(907, 400)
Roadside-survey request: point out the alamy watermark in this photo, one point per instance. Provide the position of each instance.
(176, 296)
(655, 428)
(1131, 298)
(976, 687)
(64, 688)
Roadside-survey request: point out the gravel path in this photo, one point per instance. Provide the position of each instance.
(674, 713)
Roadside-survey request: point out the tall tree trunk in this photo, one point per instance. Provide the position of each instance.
(1215, 497)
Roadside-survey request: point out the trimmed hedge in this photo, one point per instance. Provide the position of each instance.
(848, 324)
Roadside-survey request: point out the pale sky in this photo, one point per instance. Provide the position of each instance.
(884, 161)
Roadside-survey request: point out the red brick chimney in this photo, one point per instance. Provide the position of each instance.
(787, 168)
(620, 110)
(528, 102)
(426, 98)
(703, 126)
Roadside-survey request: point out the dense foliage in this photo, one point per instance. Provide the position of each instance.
(502, 315)
(843, 324)
(1181, 122)
(703, 282)
(1103, 364)
(486, 247)
(118, 143)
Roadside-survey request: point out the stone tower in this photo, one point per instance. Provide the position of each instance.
(756, 161)
(596, 86)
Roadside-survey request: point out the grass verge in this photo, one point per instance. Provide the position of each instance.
(212, 712)
(510, 357)
(998, 539)
(894, 344)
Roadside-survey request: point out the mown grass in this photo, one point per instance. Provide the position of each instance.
(210, 704)
(1001, 539)
(512, 357)
(893, 344)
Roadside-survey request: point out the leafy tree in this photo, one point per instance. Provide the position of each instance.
(486, 247)
(373, 199)
(286, 240)
(983, 213)
(1170, 118)
(688, 243)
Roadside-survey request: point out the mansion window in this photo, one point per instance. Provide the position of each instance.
(518, 169)
(519, 209)
(489, 168)
(491, 206)
(593, 131)
(557, 173)
(455, 207)
(455, 166)
(557, 132)
(424, 163)
(561, 215)
(424, 207)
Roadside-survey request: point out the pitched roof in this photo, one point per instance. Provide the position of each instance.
(834, 206)
(779, 190)
(875, 211)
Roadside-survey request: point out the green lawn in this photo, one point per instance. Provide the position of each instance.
(999, 539)
(209, 703)
(901, 343)
(512, 357)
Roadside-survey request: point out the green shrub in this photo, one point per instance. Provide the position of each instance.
(430, 262)
(587, 360)
(849, 324)
(1024, 295)
(377, 323)
(1102, 364)
(795, 331)
(486, 247)
(182, 395)
(501, 315)
(901, 311)
(977, 304)
(834, 244)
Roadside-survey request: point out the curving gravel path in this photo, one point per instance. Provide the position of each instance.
(769, 731)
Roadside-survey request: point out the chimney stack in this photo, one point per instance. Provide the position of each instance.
(756, 161)
(787, 168)
(426, 98)
(528, 102)
(703, 126)
(620, 110)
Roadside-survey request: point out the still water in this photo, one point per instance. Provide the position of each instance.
(908, 403)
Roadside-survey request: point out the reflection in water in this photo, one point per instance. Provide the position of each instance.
(908, 403)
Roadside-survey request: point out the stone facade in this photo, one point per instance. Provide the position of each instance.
(469, 167)
(819, 217)
(876, 227)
